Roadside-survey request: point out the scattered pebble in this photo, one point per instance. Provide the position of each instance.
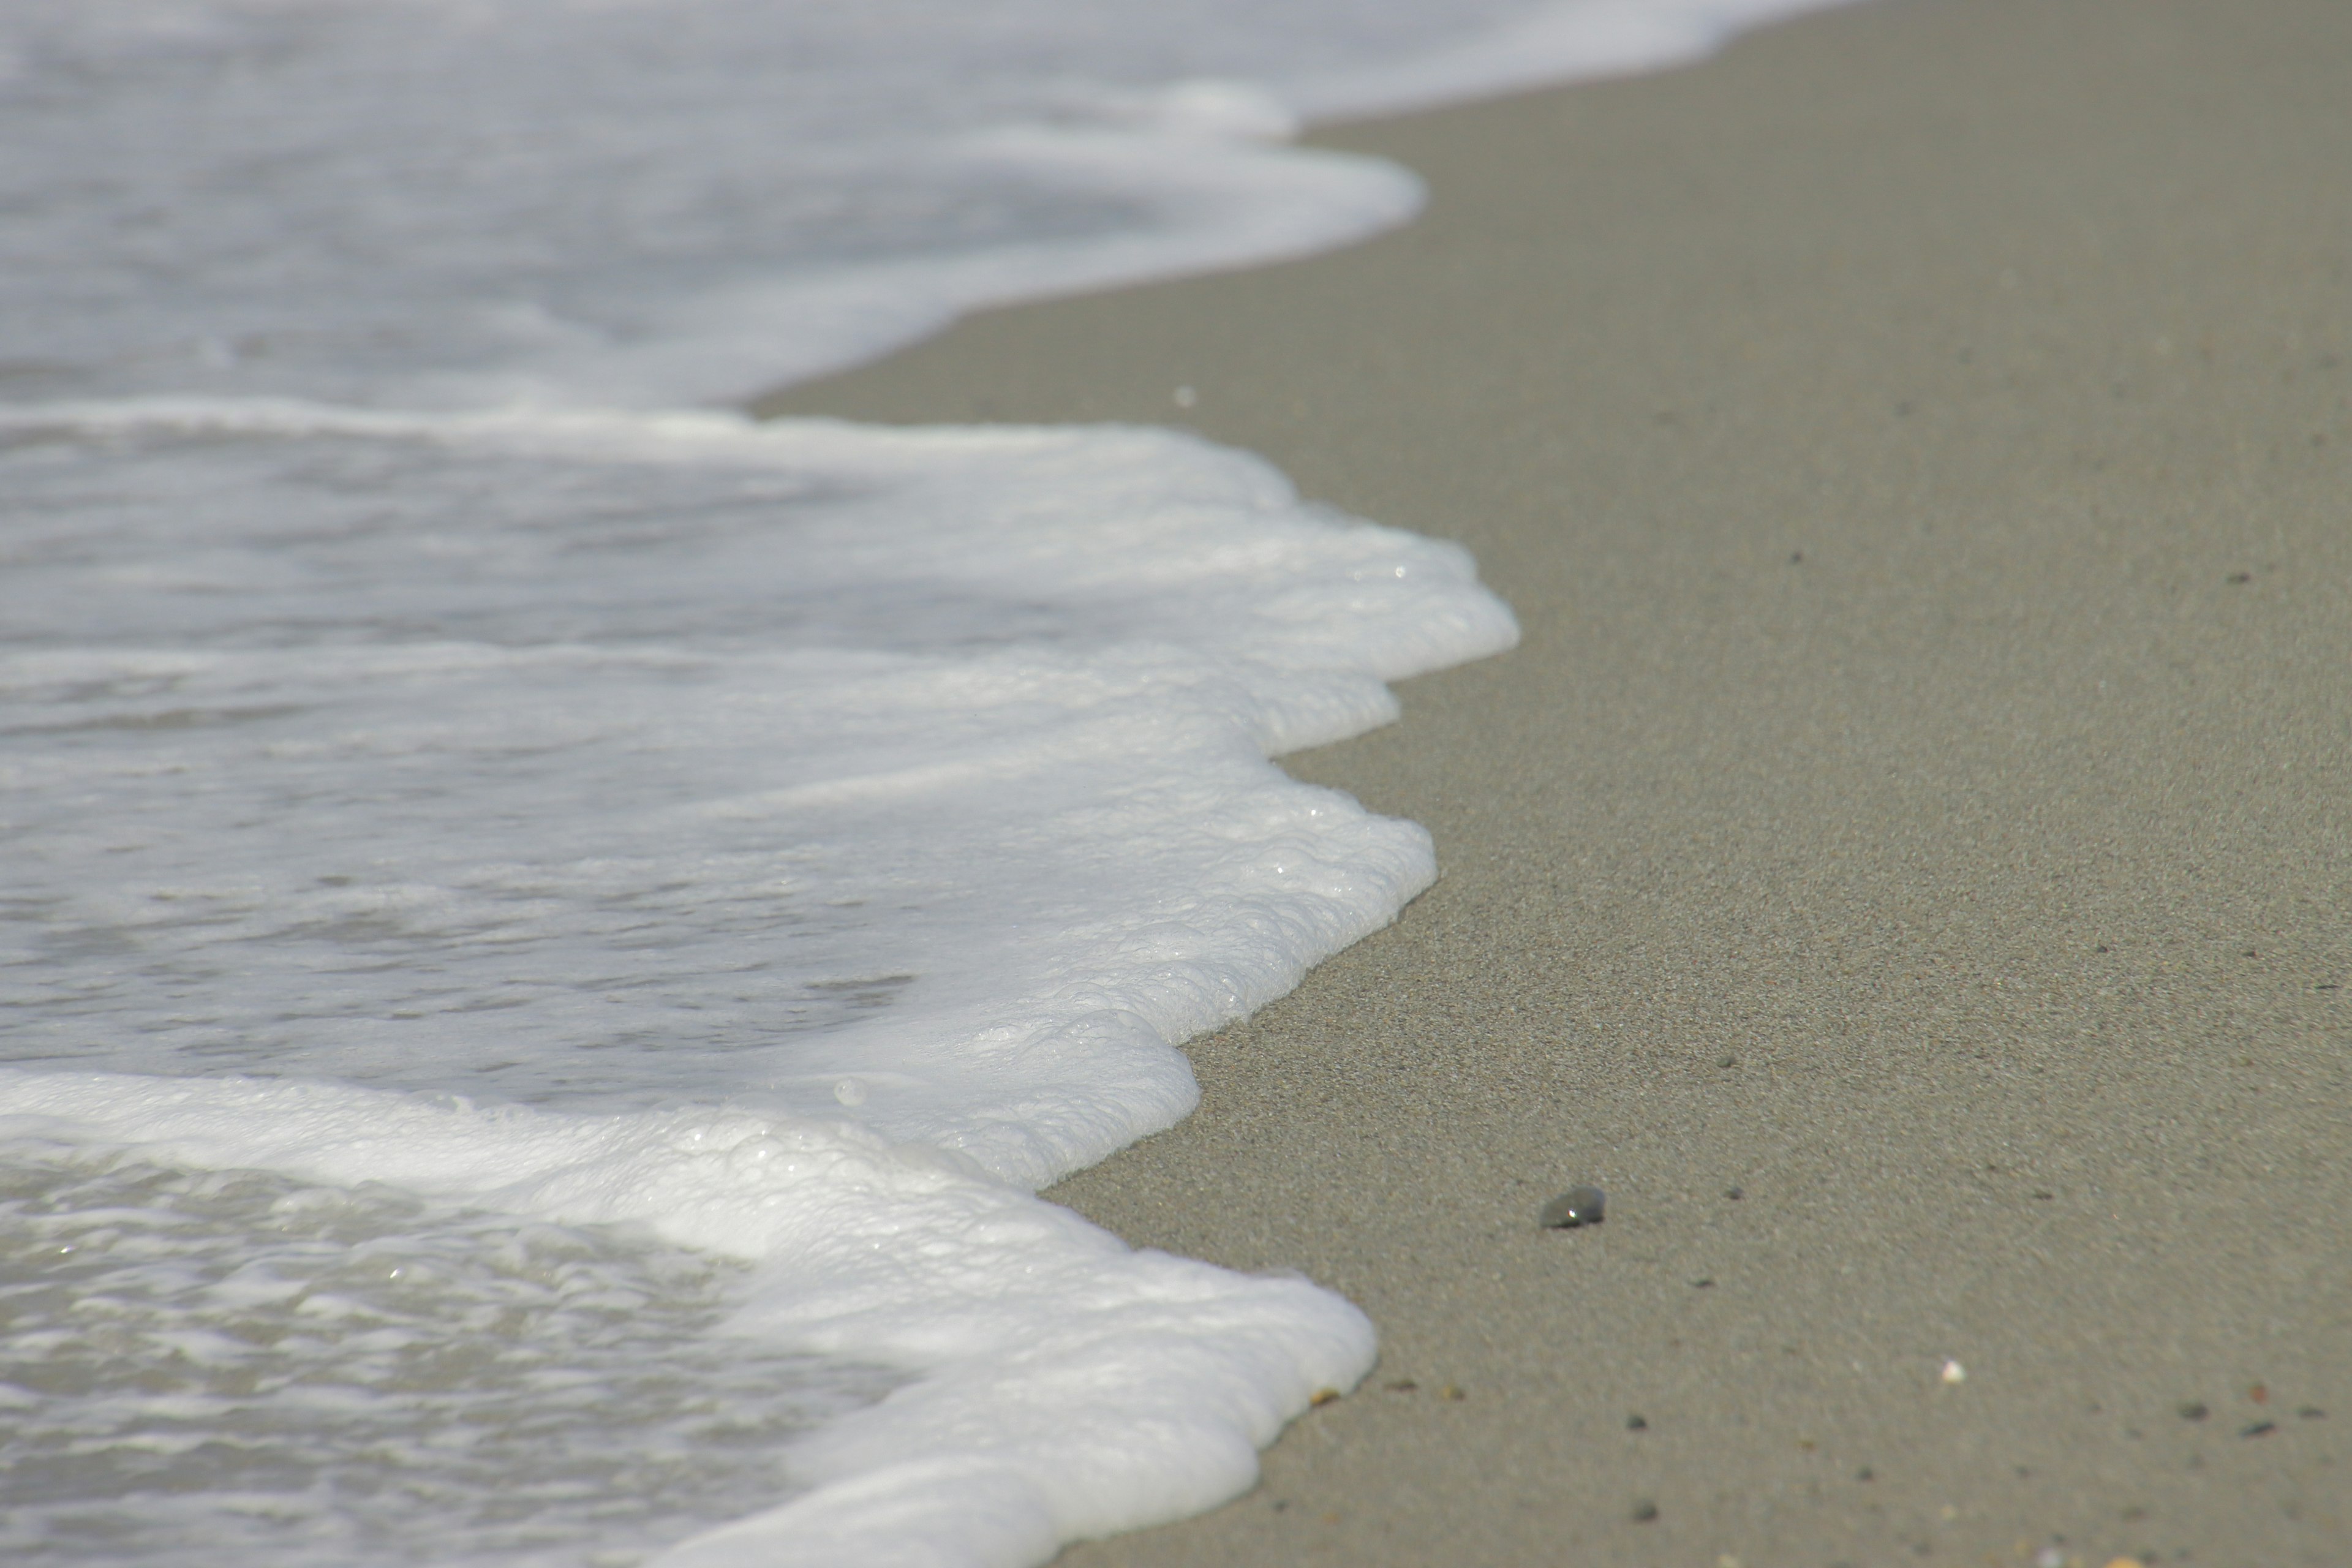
(1735, 1195)
(1702, 1284)
(1451, 1392)
(2311, 1413)
(1577, 1206)
(1645, 1512)
(2259, 1394)
(1636, 1422)
(2259, 1429)
(1402, 1385)
(2194, 1410)
(1865, 1474)
(1730, 1061)
(1954, 1371)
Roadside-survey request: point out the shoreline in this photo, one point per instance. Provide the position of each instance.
(1915, 444)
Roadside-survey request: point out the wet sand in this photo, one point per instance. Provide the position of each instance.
(1908, 863)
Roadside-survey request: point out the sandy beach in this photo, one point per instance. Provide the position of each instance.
(1907, 863)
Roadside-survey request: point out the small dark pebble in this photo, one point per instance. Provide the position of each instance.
(1645, 1512)
(2101, 947)
(2194, 1410)
(1702, 1284)
(1735, 1195)
(1636, 1424)
(2242, 576)
(1402, 1385)
(1576, 1207)
(1796, 557)
(2044, 1194)
(1865, 1474)
(2259, 1429)
(2311, 1413)
(1730, 1062)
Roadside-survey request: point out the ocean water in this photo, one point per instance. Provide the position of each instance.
(550, 932)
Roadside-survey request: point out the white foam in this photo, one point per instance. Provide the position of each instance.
(436, 757)
(636, 787)
(655, 204)
(1073, 1386)
(1539, 46)
(567, 759)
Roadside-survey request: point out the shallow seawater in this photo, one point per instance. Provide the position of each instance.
(551, 933)
(230, 1367)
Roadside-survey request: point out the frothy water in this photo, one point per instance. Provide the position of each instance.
(339, 1376)
(551, 930)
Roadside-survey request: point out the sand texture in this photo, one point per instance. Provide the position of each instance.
(1908, 862)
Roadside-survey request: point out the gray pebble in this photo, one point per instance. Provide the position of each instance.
(1577, 1205)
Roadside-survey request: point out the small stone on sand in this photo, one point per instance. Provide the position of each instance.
(2194, 1410)
(1645, 1512)
(1577, 1206)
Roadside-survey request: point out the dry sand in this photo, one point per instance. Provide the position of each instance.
(1907, 862)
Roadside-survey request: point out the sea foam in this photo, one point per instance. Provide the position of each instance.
(553, 931)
